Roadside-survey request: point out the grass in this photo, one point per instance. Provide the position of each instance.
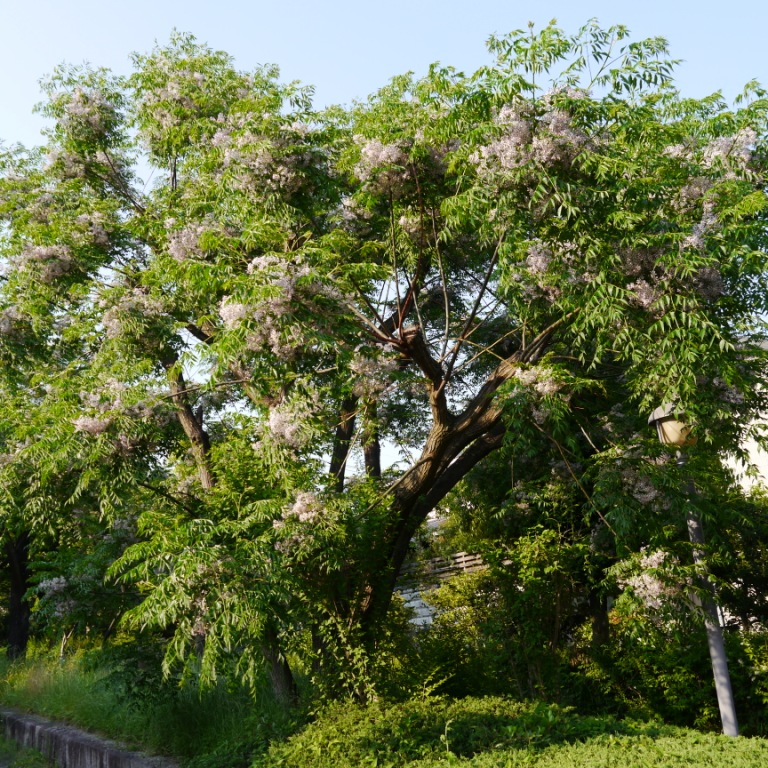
(219, 728)
(227, 728)
(14, 756)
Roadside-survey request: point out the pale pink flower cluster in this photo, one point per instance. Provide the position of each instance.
(643, 294)
(696, 239)
(734, 151)
(412, 226)
(281, 278)
(653, 591)
(285, 426)
(538, 258)
(133, 302)
(64, 608)
(709, 283)
(53, 586)
(175, 93)
(552, 138)
(306, 508)
(262, 163)
(692, 192)
(635, 262)
(373, 372)
(561, 141)
(678, 151)
(92, 425)
(184, 243)
(638, 486)
(69, 164)
(540, 379)
(233, 312)
(88, 108)
(94, 224)
(10, 317)
(353, 216)
(51, 261)
(727, 393)
(382, 167)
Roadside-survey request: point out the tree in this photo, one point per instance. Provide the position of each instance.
(460, 262)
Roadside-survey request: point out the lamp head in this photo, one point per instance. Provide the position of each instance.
(670, 429)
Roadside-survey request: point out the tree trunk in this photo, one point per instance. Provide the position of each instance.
(17, 553)
(280, 675)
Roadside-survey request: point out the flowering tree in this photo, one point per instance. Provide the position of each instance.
(458, 262)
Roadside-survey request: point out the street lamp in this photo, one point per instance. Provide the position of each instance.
(675, 432)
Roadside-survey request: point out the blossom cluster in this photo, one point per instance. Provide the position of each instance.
(538, 258)
(285, 283)
(307, 509)
(48, 261)
(288, 422)
(373, 372)
(651, 586)
(92, 425)
(382, 167)
(135, 302)
(262, 163)
(638, 486)
(88, 108)
(184, 243)
(52, 586)
(10, 319)
(734, 151)
(164, 103)
(540, 378)
(551, 138)
(93, 223)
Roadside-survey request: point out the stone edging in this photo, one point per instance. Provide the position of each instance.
(67, 747)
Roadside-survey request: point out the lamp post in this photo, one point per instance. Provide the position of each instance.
(672, 431)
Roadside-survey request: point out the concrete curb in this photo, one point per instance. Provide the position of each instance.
(67, 747)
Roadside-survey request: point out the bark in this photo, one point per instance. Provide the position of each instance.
(17, 554)
(280, 675)
(342, 443)
(191, 423)
(371, 442)
(454, 446)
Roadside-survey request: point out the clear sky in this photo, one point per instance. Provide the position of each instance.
(348, 49)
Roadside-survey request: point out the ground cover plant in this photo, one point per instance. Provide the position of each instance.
(499, 732)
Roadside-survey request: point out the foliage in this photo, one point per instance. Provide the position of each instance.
(524, 261)
(13, 755)
(224, 726)
(496, 731)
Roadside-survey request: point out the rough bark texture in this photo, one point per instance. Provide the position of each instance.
(455, 445)
(17, 554)
(280, 675)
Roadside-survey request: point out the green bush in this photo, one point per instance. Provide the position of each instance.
(430, 729)
(499, 733)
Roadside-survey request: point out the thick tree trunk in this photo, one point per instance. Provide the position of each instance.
(455, 445)
(17, 554)
(280, 675)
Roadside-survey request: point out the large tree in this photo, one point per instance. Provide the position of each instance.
(458, 262)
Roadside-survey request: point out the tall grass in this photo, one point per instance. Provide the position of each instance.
(11, 754)
(223, 726)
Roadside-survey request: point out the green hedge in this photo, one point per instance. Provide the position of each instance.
(498, 732)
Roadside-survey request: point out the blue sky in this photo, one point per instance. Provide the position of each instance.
(348, 49)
